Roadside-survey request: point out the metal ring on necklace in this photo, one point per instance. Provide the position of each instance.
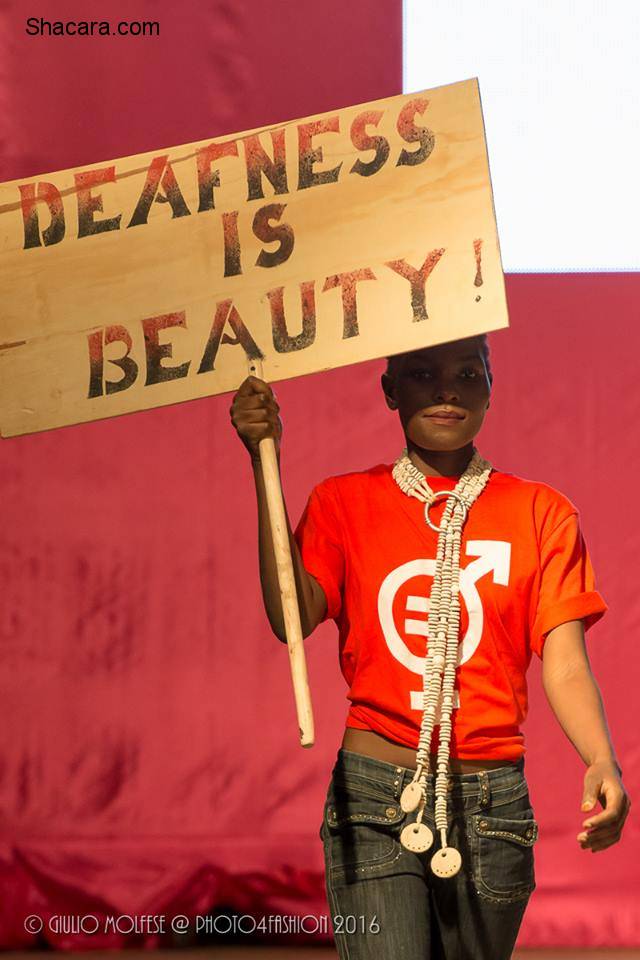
(442, 493)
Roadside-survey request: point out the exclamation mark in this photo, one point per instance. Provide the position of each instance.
(477, 247)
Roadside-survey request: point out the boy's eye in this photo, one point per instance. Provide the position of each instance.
(467, 372)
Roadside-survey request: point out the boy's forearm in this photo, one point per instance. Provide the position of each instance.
(268, 566)
(577, 704)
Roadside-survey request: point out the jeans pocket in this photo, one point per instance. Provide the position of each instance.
(361, 835)
(504, 860)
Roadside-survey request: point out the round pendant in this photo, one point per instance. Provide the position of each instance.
(446, 863)
(410, 797)
(416, 837)
(436, 496)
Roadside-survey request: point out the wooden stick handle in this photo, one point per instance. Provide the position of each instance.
(286, 581)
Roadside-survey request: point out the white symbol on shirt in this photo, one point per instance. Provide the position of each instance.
(494, 556)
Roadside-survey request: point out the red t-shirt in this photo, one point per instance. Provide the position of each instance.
(524, 570)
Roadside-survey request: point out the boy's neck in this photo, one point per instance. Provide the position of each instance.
(441, 463)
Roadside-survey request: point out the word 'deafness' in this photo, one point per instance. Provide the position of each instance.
(311, 244)
(162, 183)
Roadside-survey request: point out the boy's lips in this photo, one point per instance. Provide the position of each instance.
(445, 413)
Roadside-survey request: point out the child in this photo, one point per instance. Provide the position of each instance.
(428, 829)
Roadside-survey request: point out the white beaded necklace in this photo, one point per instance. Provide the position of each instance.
(442, 657)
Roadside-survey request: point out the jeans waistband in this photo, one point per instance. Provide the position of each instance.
(480, 786)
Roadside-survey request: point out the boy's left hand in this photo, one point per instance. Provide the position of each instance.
(602, 782)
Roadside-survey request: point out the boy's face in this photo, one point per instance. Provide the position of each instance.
(449, 379)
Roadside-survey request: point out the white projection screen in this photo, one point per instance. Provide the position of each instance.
(561, 100)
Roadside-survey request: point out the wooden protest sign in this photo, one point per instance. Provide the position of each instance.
(149, 280)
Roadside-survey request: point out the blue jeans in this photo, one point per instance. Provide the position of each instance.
(387, 904)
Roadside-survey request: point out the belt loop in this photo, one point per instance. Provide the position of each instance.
(397, 783)
(485, 789)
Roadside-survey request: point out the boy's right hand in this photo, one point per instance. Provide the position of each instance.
(254, 414)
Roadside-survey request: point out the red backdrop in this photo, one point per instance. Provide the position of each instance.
(148, 754)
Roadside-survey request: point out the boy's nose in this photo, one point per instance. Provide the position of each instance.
(444, 393)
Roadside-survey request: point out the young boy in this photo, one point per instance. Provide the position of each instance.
(370, 555)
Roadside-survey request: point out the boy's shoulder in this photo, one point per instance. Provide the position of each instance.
(357, 479)
(541, 494)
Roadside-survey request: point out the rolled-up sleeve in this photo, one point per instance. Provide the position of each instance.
(567, 589)
(320, 541)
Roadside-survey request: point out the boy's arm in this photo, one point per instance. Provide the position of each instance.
(574, 697)
(311, 599)
(254, 414)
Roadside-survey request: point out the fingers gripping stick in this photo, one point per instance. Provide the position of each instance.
(286, 581)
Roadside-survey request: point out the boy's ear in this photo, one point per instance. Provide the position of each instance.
(388, 389)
